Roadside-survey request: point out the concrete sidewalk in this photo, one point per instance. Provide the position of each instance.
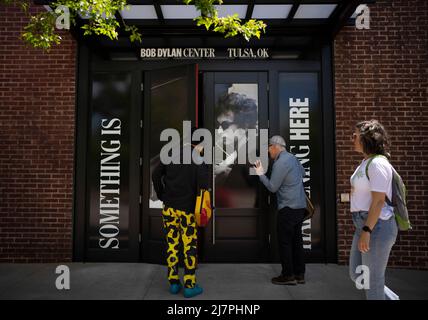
(220, 281)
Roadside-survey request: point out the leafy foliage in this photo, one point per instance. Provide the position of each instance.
(101, 19)
(40, 31)
(230, 26)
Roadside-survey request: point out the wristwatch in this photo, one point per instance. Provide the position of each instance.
(367, 229)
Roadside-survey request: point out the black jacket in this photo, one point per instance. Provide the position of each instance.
(177, 185)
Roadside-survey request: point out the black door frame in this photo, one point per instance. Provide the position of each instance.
(85, 69)
(257, 248)
(324, 67)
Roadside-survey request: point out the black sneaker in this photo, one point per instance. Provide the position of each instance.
(281, 280)
(300, 279)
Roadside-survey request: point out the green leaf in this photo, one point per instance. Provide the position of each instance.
(41, 32)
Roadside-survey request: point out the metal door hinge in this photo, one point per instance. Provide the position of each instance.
(267, 87)
(141, 123)
(139, 237)
(140, 200)
(269, 238)
(141, 161)
(142, 87)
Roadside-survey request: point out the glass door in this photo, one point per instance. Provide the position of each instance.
(233, 103)
(170, 97)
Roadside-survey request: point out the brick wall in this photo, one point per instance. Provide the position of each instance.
(37, 102)
(382, 73)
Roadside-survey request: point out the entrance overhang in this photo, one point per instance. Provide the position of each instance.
(292, 24)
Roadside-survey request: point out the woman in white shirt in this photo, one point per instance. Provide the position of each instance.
(376, 229)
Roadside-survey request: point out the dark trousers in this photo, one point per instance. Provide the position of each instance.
(290, 241)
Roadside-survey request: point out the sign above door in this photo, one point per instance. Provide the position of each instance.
(204, 53)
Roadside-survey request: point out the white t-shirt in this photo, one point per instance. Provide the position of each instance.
(380, 173)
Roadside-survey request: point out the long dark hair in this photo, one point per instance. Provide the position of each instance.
(373, 137)
(244, 109)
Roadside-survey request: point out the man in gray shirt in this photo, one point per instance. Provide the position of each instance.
(287, 182)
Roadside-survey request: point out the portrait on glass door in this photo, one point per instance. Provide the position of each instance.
(236, 111)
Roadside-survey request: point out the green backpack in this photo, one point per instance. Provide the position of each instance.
(399, 196)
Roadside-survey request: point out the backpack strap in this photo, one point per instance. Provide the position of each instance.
(367, 173)
(370, 161)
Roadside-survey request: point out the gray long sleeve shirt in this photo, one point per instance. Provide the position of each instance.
(287, 181)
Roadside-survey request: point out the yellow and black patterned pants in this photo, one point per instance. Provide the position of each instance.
(179, 224)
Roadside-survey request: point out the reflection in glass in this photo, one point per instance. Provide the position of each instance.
(236, 110)
(170, 106)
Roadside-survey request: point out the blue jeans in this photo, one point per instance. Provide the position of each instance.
(382, 239)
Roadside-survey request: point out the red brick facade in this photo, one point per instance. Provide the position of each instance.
(379, 73)
(37, 105)
(382, 73)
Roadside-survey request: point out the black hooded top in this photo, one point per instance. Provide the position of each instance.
(177, 185)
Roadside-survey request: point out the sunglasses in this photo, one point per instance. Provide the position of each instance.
(226, 124)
